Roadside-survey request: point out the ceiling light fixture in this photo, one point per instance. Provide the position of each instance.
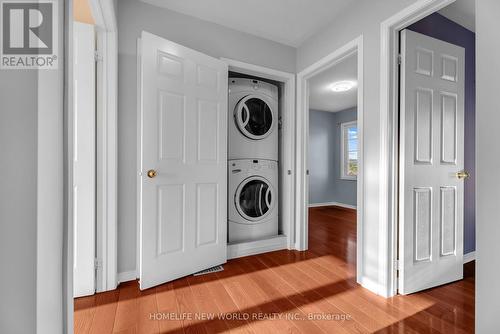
(342, 86)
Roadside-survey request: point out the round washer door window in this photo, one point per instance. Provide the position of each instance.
(254, 198)
(254, 117)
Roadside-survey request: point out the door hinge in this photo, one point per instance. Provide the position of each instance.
(97, 264)
(396, 265)
(399, 59)
(97, 56)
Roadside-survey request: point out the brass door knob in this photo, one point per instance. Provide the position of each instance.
(463, 175)
(152, 173)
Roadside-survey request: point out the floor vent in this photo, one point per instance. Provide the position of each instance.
(209, 271)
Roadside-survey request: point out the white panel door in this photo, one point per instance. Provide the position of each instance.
(84, 160)
(183, 167)
(431, 157)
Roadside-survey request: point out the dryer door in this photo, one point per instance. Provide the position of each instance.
(254, 117)
(254, 198)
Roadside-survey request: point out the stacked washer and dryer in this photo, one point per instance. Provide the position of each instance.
(253, 160)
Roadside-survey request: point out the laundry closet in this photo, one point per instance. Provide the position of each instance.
(215, 160)
(254, 137)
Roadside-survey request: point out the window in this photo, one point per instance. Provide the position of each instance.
(349, 158)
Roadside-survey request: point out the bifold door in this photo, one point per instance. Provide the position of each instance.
(431, 162)
(183, 161)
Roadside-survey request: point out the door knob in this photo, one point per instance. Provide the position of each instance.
(463, 174)
(151, 173)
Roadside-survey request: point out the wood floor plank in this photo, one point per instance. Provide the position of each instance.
(127, 310)
(148, 307)
(206, 307)
(284, 298)
(225, 304)
(242, 298)
(84, 313)
(167, 306)
(321, 280)
(187, 307)
(105, 312)
(264, 301)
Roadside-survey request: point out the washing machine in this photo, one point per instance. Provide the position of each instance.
(253, 199)
(253, 119)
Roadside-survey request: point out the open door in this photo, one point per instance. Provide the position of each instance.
(431, 202)
(84, 160)
(183, 161)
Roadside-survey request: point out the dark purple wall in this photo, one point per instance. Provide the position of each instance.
(440, 27)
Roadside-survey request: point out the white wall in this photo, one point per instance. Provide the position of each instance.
(215, 40)
(487, 167)
(364, 18)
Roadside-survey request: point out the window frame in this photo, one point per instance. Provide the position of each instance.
(345, 150)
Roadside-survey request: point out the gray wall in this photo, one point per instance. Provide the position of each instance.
(212, 39)
(487, 167)
(18, 200)
(31, 198)
(325, 184)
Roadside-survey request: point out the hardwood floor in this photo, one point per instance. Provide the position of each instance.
(277, 292)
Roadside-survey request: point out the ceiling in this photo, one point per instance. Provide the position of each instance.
(321, 97)
(288, 22)
(462, 12)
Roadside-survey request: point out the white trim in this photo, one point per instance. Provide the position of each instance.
(49, 224)
(287, 159)
(103, 12)
(302, 133)
(469, 257)
(389, 133)
(138, 242)
(371, 285)
(342, 205)
(257, 247)
(67, 127)
(127, 276)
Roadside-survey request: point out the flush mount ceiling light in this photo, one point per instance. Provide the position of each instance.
(342, 86)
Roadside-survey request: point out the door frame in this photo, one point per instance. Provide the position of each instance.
(104, 15)
(288, 149)
(389, 132)
(302, 140)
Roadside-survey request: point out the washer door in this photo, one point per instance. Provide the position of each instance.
(254, 117)
(254, 198)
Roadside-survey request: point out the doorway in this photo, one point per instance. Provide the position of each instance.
(433, 149)
(333, 160)
(338, 161)
(92, 147)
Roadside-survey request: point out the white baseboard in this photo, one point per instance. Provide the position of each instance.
(127, 276)
(469, 257)
(372, 286)
(342, 205)
(256, 247)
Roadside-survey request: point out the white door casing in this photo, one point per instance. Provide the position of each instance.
(183, 137)
(84, 160)
(431, 153)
